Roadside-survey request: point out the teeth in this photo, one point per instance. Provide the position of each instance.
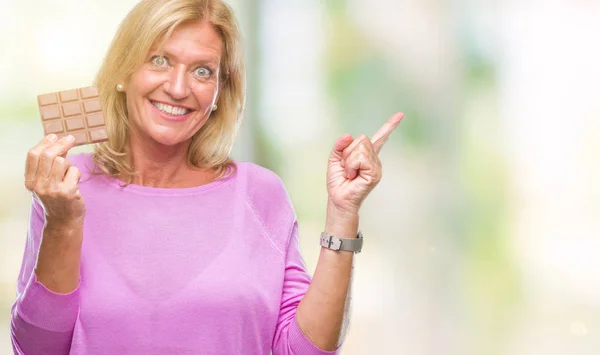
(168, 109)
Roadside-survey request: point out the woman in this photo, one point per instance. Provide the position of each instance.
(177, 249)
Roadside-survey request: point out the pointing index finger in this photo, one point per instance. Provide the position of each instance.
(382, 135)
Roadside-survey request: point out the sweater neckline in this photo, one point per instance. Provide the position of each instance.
(171, 191)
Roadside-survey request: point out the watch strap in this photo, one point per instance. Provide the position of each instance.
(343, 244)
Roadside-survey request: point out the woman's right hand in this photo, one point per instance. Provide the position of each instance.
(54, 182)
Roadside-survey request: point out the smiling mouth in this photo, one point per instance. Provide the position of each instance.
(170, 110)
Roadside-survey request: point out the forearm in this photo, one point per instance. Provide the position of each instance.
(322, 313)
(45, 311)
(59, 258)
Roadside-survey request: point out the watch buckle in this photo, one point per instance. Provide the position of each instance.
(334, 244)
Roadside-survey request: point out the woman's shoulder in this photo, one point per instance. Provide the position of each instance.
(264, 189)
(258, 178)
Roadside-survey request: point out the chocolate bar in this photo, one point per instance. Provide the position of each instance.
(77, 112)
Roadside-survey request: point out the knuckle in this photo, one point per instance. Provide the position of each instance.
(59, 160)
(29, 185)
(364, 147)
(33, 153)
(75, 194)
(71, 191)
(47, 155)
(39, 187)
(34, 186)
(76, 171)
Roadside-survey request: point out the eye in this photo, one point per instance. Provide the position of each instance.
(203, 72)
(159, 61)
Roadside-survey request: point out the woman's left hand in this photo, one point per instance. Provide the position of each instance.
(354, 168)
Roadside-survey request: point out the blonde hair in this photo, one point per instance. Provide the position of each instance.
(148, 22)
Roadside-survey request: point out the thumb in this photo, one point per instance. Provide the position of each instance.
(341, 144)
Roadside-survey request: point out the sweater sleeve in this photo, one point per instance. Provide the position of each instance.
(42, 321)
(289, 339)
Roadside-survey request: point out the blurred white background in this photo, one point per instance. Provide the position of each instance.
(483, 236)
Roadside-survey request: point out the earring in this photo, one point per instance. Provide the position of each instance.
(120, 87)
(214, 107)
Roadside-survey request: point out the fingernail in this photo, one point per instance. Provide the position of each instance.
(52, 137)
(70, 138)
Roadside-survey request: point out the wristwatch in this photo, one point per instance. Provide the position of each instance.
(345, 244)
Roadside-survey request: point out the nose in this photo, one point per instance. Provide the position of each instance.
(176, 85)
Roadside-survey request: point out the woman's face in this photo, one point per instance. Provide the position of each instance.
(170, 97)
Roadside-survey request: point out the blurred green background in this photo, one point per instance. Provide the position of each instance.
(483, 236)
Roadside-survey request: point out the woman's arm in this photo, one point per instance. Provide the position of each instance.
(59, 259)
(47, 304)
(43, 317)
(353, 171)
(323, 312)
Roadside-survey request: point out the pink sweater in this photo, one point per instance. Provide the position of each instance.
(213, 269)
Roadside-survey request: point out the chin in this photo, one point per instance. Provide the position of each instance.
(167, 138)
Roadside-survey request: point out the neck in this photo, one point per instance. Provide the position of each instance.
(160, 165)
